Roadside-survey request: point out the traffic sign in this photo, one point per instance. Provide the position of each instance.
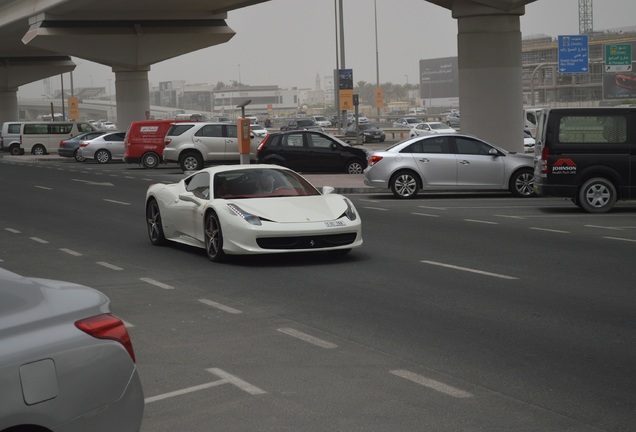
(618, 58)
(573, 54)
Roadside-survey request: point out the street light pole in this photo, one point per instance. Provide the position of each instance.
(408, 99)
(377, 57)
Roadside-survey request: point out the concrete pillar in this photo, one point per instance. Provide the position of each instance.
(132, 95)
(490, 74)
(8, 105)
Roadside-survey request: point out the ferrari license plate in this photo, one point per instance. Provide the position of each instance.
(335, 223)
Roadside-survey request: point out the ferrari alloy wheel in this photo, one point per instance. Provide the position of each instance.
(213, 237)
(102, 156)
(153, 221)
(354, 167)
(404, 184)
(521, 183)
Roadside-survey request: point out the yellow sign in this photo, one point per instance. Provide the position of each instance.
(346, 100)
(73, 108)
(379, 97)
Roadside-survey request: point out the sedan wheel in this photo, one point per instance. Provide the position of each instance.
(78, 157)
(354, 167)
(213, 238)
(404, 184)
(153, 221)
(597, 195)
(102, 156)
(150, 160)
(521, 183)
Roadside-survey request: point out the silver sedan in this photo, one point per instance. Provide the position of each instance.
(104, 148)
(66, 363)
(449, 162)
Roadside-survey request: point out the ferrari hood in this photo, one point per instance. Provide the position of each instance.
(295, 209)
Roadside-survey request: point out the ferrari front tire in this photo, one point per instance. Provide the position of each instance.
(213, 238)
(153, 221)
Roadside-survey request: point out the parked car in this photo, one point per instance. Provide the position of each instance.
(528, 142)
(258, 130)
(70, 147)
(104, 148)
(310, 151)
(321, 121)
(192, 144)
(251, 209)
(452, 119)
(10, 138)
(449, 162)
(107, 125)
(66, 362)
(406, 122)
(361, 119)
(301, 124)
(145, 141)
(428, 128)
(368, 133)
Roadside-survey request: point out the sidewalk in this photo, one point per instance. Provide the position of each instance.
(343, 183)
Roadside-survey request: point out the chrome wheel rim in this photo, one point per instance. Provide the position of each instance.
(212, 236)
(154, 222)
(190, 163)
(523, 184)
(355, 168)
(405, 185)
(102, 157)
(597, 196)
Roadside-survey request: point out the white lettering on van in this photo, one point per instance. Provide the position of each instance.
(148, 129)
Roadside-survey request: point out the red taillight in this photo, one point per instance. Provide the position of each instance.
(83, 144)
(167, 141)
(262, 144)
(544, 160)
(374, 160)
(62, 143)
(107, 326)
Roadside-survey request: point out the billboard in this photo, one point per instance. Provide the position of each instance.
(620, 85)
(439, 78)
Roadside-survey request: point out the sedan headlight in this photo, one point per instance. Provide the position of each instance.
(248, 217)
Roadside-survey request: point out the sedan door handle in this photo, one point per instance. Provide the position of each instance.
(465, 162)
(424, 160)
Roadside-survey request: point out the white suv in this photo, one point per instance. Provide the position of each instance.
(193, 144)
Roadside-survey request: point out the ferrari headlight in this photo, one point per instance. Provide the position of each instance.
(350, 213)
(248, 217)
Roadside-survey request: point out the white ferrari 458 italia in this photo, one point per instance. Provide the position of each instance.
(251, 209)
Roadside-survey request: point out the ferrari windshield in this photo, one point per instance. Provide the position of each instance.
(261, 183)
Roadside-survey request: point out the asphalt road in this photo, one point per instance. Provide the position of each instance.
(459, 313)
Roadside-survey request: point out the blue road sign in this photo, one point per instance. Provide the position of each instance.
(573, 54)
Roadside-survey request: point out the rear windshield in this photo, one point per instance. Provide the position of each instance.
(178, 129)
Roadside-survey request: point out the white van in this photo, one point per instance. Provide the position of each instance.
(10, 137)
(40, 138)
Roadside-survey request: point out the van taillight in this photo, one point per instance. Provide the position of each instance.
(544, 160)
(107, 326)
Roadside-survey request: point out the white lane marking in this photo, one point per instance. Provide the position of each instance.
(431, 383)
(156, 283)
(116, 202)
(433, 208)
(550, 230)
(14, 231)
(220, 306)
(88, 182)
(376, 208)
(70, 252)
(308, 338)
(466, 269)
(107, 265)
(424, 214)
(39, 240)
(184, 391)
(44, 187)
(510, 216)
(604, 227)
(249, 388)
(620, 239)
(482, 221)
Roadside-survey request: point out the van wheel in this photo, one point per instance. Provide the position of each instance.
(404, 184)
(191, 162)
(102, 156)
(521, 183)
(15, 150)
(597, 195)
(38, 150)
(150, 160)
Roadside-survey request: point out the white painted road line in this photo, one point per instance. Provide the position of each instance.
(485, 273)
(116, 202)
(481, 221)
(220, 306)
(156, 283)
(70, 252)
(308, 338)
(43, 187)
(39, 240)
(184, 391)
(14, 231)
(425, 214)
(431, 383)
(550, 230)
(605, 227)
(110, 266)
(247, 387)
(620, 239)
(376, 208)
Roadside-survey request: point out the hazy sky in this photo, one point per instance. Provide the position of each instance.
(288, 42)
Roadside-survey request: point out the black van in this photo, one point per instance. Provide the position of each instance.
(587, 154)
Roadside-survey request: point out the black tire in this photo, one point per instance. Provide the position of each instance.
(38, 150)
(521, 183)
(150, 160)
(597, 195)
(191, 161)
(78, 157)
(354, 166)
(153, 222)
(15, 150)
(213, 237)
(404, 184)
(102, 156)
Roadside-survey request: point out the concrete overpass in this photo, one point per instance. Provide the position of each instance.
(38, 37)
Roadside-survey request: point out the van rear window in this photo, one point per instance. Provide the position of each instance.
(611, 129)
(178, 129)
